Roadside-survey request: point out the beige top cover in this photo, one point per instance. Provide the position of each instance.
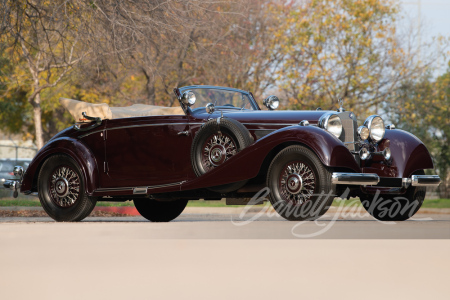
(103, 111)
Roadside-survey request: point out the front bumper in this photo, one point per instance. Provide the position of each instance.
(12, 184)
(372, 179)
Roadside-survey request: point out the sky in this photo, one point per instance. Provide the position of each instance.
(434, 15)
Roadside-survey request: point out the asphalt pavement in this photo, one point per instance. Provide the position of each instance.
(236, 223)
(224, 254)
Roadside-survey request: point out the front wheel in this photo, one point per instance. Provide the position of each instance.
(300, 185)
(160, 211)
(385, 207)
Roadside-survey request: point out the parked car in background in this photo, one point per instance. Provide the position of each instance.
(7, 171)
(7, 167)
(220, 144)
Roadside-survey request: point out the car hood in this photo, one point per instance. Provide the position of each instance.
(270, 117)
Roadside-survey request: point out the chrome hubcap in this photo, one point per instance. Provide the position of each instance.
(294, 183)
(216, 150)
(64, 187)
(297, 183)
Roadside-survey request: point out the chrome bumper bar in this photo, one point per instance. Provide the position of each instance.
(425, 180)
(11, 184)
(374, 179)
(355, 178)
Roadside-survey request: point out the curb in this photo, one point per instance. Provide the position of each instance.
(131, 211)
(124, 210)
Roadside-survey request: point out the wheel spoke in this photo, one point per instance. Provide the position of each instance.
(297, 183)
(217, 149)
(64, 185)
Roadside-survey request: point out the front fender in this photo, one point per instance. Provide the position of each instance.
(247, 163)
(408, 154)
(68, 146)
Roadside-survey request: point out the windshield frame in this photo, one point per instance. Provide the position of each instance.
(212, 87)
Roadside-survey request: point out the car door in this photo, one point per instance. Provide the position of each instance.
(147, 151)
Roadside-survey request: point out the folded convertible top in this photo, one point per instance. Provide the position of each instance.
(103, 111)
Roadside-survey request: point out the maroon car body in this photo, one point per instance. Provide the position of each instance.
(150, 157)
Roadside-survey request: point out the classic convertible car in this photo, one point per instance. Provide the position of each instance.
(220, 144)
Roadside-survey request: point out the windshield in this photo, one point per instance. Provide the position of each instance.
(221, 99)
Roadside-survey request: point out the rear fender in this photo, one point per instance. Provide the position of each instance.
(68, 146)
(247, 163)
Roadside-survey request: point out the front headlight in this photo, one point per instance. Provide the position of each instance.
(332, 123)
(376, 127)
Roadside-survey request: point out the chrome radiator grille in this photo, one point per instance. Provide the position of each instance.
(348, 135)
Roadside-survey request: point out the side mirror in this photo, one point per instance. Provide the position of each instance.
(188, 98)
(210, 108)
(272, 102)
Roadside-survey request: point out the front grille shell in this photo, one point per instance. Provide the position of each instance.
(349, 134)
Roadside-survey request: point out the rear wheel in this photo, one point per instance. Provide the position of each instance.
(385, 207)
(61, 190)
(160, 211)
(300, 185)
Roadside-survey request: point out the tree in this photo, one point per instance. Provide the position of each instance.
(49, 38)
(223, 43)
(43, 36)
(423, 108)
(343, 48)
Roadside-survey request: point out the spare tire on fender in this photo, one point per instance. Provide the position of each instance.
(216, 142)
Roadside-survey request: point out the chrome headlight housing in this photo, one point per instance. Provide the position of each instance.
(376, 127)
(188, 98)
(272, 102)
(363, 132)
(332, 123)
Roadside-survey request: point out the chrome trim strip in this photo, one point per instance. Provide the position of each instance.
(425, 180)
(146, 125)
(92, 132)
(114, 189)
(275, 124)
(355, 178)
(138, 189)
(264, 124)
(166, 185)
(133, 126)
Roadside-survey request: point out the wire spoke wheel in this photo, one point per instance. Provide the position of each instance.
(300, 185)
(217, 149)
(214, 144)
(297, 183)
(61, 190)
(64, 186)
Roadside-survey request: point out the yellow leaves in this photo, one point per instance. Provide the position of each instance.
(380, 35)
(336, 49)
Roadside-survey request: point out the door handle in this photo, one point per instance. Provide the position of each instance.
(183, 133)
